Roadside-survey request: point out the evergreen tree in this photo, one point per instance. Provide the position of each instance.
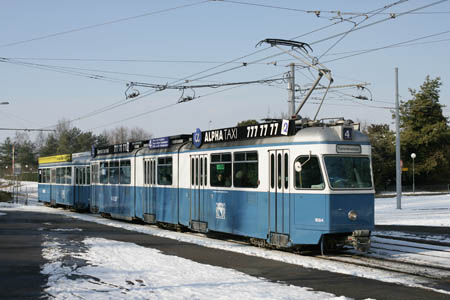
(247, 122)
(382, 140)
(50, 146)
(101, 140)
(6, 156)
(426, 133)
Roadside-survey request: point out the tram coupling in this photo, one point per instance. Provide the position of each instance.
(360, 240)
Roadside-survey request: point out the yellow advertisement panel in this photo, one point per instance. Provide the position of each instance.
(55, 158)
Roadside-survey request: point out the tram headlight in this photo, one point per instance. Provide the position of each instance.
(352, 215)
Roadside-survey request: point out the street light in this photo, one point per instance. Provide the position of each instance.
(413, 156)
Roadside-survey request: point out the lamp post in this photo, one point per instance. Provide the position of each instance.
(413, 156)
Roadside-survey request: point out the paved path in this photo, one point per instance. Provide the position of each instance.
(21, 235)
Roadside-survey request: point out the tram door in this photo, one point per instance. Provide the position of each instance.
(199, 180)
(279, 196)
(53, 189)
(149, 205)
(78, 189)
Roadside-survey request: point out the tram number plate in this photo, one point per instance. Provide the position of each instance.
(262, 130)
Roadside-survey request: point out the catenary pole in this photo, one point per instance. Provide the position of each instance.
(291, 88)
(397, 145)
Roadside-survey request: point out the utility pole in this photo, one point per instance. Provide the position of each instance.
(291, 89)
(12, 167)
(397, 145)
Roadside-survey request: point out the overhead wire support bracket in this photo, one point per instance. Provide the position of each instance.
(314, 63)
(27, 129)
(134, 92)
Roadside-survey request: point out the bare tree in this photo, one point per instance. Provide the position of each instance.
(138, 134)
(122, 134)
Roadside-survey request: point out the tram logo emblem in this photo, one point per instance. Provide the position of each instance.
(197, 138)
(220, 210)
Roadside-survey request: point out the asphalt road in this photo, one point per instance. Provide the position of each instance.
(22, 233)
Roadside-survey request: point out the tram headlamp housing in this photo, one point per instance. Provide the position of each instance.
(352, 215)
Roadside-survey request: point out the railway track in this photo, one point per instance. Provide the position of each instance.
(414, 256)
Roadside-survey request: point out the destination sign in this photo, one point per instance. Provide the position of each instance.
(55, 159)
(163, 142)
(348, 148)
(117, 148)
(263, 130)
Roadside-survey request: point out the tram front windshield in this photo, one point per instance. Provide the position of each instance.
(349, 172)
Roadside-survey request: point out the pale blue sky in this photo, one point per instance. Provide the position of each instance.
(204, 32)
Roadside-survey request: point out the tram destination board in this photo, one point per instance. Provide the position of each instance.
(263, 130)
(117, 148)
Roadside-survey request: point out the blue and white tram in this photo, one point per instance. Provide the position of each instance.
(302, 187)
(65, 180)
(273, 183)
(125, 184)
(112, 184)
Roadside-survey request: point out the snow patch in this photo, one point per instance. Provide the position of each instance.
(422, 210)
(67, 229)
(117, 270)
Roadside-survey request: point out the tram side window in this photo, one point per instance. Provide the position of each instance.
(153, 171)
(83, 175)
(114, 172)
(44, 175)
(94, 173)
(53, 175)
(165, 170)
(47, 178)
(125, 172)
(79, 175)
(104, 173)
(220, 170)
(146, 172)
(88, 175)
(68, 175)
(310, 176)
(58, 175)
(246, 169)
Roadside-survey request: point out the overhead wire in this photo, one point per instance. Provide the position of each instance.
(383, 20)
(264, 49)
(315, 42)
(368, 16)
(125, 60)
(173, 104)
(337, 12)
(63, 70)
(101, 24)
(360, 52)
(121, 102)
(8, 114)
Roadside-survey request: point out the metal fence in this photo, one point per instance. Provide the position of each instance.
(435, 188)
(19, 193)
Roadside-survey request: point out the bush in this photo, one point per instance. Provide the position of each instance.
(5, 196)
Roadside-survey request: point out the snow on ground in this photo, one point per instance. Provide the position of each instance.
(199, 239)
(424, 210)
(110, 270)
